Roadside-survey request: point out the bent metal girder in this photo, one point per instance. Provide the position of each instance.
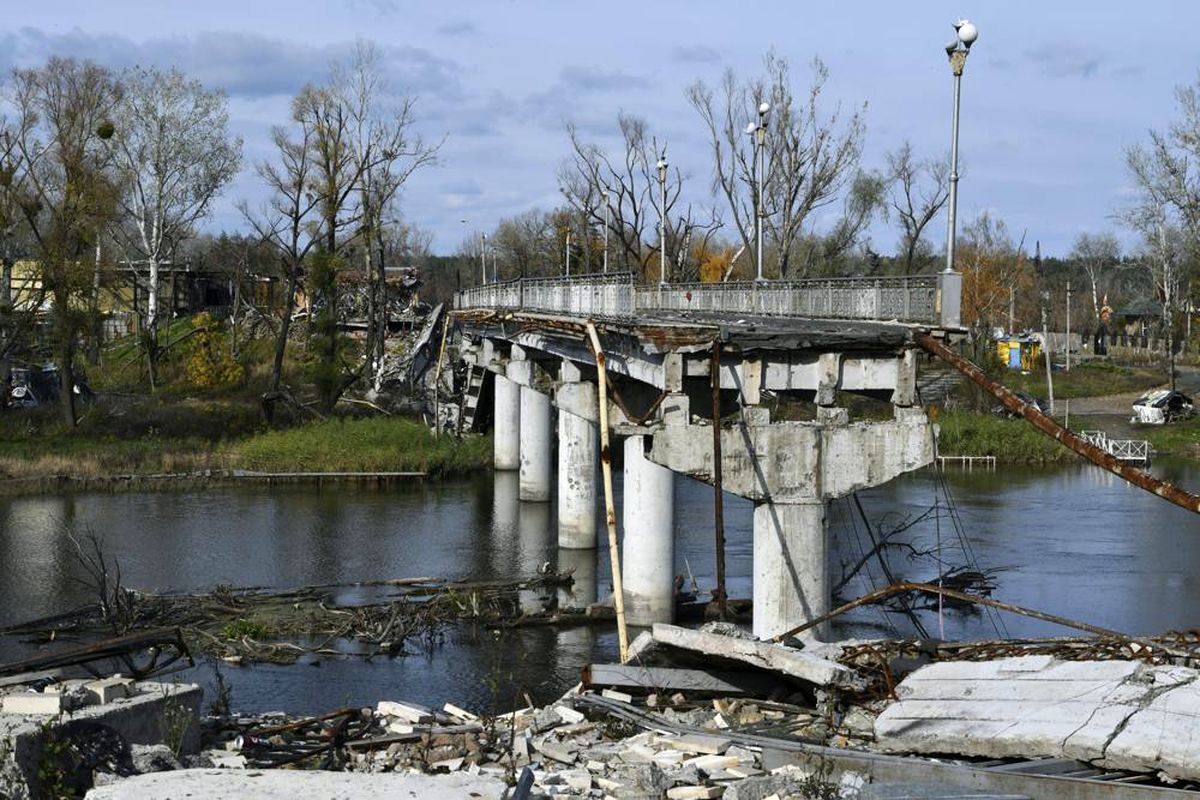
(1030, 413)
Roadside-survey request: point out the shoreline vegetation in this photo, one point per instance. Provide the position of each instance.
(53, 462)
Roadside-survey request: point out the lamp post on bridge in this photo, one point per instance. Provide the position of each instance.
(483, 257)
(758, 174)
(662, 219)
(965, 34)
(607, 204)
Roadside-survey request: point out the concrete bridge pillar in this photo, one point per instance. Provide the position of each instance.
(791, 573)
(648, 552)
(578, 453)
(506, 426)
(536, 446)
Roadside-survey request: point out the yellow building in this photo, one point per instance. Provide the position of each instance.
(1019, 352)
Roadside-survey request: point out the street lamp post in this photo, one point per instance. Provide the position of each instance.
(567, 252)
(607, 203)
(662, 219)
(483, 257)
(965, 34)
(758, 167)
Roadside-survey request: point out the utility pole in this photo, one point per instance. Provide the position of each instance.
(1068, 326)
(567, 252)
(1046, 348)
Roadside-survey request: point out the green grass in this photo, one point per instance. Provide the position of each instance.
(1179, 438)
(378, 444)
(964, 433)
(1089, 379)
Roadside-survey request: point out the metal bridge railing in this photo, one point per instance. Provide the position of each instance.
(923, 299)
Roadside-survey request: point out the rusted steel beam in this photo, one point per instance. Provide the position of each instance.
(122, 647)
(1045, 424)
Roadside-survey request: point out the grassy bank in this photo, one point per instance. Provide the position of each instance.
(1089, 379)
(965, 433)
(381, 444)
(1180, 438)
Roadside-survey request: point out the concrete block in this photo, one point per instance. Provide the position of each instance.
(695, 743)
(405, 711)
(283, 784)
(32, 703)
(106, 690)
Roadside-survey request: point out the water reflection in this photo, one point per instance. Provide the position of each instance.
(582, 565)
(1077, 543)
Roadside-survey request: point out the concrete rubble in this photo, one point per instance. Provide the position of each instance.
(675, 736)
(1112, 714)
(115, 716)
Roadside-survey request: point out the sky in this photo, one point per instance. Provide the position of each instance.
(1052, 95)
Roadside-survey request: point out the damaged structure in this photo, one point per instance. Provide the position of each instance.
(693, 369)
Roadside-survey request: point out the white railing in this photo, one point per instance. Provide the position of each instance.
(1136, 451)
(924, 299)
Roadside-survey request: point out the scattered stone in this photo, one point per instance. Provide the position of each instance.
(32, 703)
(569, 716)
(614, 694)
(153, 758)
(107, 690)
(410, 713)
(695, 743)
(695, 792)
(459, 713)
(558, 752)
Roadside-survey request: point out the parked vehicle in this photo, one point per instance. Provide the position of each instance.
(1026, 398)
(1162, 406)
(30, 387)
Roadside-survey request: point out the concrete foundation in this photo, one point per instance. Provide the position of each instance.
(578, 458)
(536, 446)
(791, 573)
(154, 713)
(506, 425)
(648, 548)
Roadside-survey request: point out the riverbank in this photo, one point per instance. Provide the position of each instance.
(87, 459)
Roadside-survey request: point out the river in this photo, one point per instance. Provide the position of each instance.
(1071, 540)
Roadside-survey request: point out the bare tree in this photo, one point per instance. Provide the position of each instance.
(918, 190)
(175, 154)
(286, 222)
(62, 163)
(1097, 255)
(811, 157)
(590, 179)
(386, 153)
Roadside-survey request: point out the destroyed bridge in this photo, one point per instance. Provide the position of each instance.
(678, 356)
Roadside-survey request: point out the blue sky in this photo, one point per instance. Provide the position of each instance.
(1052, 94)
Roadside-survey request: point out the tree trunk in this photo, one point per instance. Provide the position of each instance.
(6, 317)
(284, 326)
(152, 324)
(66, 357)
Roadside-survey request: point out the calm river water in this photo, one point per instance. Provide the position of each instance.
(1071, 540)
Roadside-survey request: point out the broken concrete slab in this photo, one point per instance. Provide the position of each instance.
(1116, 714)
(153, 713)
(200, 784)
(763, 655)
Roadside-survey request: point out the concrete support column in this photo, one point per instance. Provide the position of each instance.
(578, 458)
(506, 426)
(648, 552)
(536, 446)
(791, 576)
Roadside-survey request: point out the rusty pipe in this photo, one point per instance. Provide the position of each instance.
(1045, 424)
